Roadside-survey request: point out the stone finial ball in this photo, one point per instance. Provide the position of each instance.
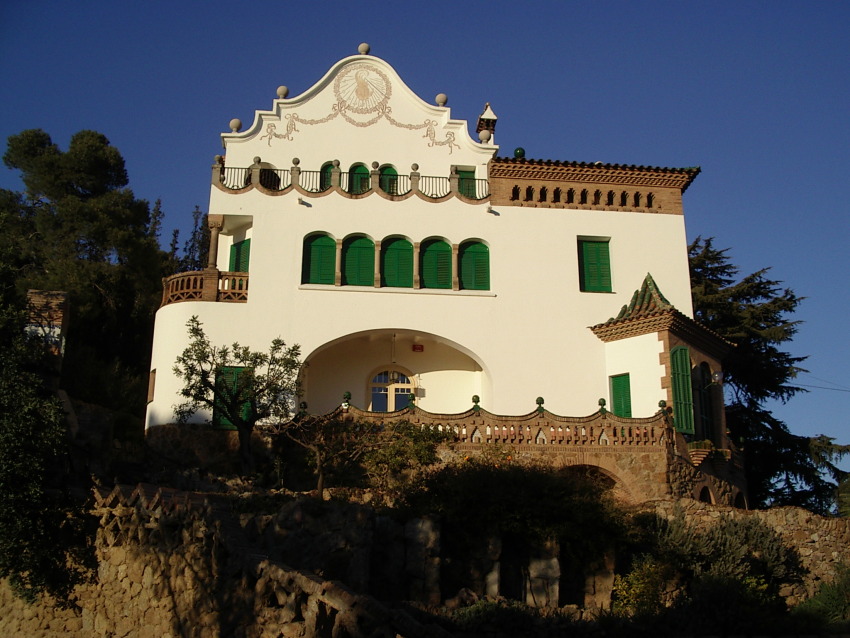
(441, 99)
(282, 92)
(375, 165)
(295, 161)
(257, 159)
(335, 163)
(363, 49)
(519, 152)
(484, 135)
(235, 125)
(414, 167)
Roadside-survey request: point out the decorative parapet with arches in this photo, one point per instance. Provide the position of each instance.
(383, 181)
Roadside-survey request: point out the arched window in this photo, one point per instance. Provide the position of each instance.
(358, 262)
(637, 199)
(650, 200)
(543, 194)
(705, 495)
(325, 176)
(388, 180)
(597, 197)
(390, 390)
(318, 260)
(515, 193)
(529, 194)
(474, 258)
(397, 263)
(583, 199)
(358, 179)
(624, 199)
(435, 268)
(571, 196)
(610, 199)
(556, 195)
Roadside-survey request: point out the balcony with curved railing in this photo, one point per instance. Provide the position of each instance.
(314, 183)
(205, 285)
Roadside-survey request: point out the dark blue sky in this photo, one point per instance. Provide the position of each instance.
(756, 93)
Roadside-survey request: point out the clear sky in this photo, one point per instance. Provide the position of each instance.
(756, 93)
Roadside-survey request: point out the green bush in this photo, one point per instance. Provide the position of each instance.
(831, 603)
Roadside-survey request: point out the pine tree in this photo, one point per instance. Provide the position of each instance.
(753, 312)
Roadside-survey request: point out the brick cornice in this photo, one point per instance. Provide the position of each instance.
(589, 172)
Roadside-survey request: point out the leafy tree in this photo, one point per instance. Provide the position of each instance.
(35, 516)
(264, 388)
(78, 228)
(753, 312)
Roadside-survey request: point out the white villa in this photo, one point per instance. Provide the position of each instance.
(413, 262)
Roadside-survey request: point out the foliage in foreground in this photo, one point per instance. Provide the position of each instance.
(238, 384)
(36, 522)
(753, 312)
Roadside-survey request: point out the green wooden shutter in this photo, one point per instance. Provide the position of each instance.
(318, 264)
(240, 256)
(436, 266)
(621, 395)
(388, 180)
(325, 177)
(683, 400)
(466, 183)
(358, 262)
(397, 263)
(358, 179)
(228, 381)
(474, 266)
(594, 266)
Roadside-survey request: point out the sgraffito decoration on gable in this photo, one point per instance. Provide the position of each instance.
(361, 89)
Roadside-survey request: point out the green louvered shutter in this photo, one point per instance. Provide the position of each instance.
(594, 266)
(319, 260)
(227, 380)
(683, 400)
(474, 266)
(358, 262)
(240, 256)
(358, 179)
(466, 183)
(621, 395)
(325, 177)
(436, 267)
(388, 180)
(397, 263)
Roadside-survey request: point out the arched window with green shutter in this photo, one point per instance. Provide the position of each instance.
(397, 263)
(474, 258)
(358, 262)
(683, 400)
(435, 268)
(388, 180)
(325, 176)
(318, 265)
(358, 179)
(240, 256)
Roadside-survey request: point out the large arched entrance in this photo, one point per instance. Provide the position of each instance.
(384, 368)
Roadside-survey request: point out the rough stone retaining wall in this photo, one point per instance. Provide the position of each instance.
(822, 543)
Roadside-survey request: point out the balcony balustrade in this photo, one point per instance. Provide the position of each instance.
(205, 285)
(312, 183)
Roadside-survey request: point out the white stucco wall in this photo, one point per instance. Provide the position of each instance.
(526, 337)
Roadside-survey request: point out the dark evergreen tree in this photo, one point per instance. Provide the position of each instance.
(753, 312)
(78, 228)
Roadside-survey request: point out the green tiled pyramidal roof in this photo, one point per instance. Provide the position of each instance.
(647, 300)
